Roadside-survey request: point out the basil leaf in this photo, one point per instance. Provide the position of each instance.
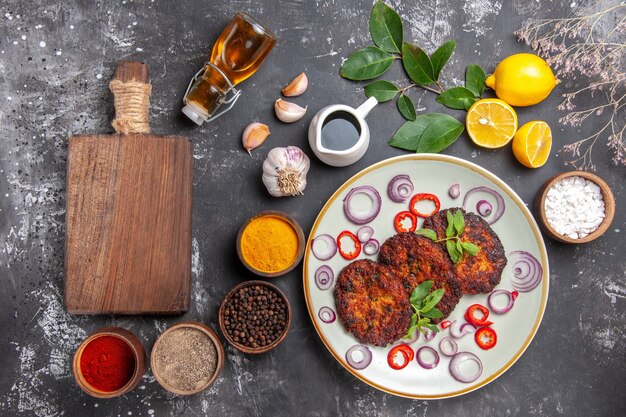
(431, 234)
(433, 313)
(406, 107)
(450, 228)
(433, 327)
(386, 27)
(470, 248)
(439, 134)
(417, 64)
(440, 57)
(435, 297)
(451, 247)
(382, 90)
(459, 98)
(459, 247)
(422, 322)
(421, 291)
(475, 79)
(459, 222)
(366, 64)
(408, 135)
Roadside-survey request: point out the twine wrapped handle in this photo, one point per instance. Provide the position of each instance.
(131, 93)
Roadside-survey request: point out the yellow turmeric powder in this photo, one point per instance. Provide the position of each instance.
(269, 244)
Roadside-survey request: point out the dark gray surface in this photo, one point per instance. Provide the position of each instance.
(576, 365)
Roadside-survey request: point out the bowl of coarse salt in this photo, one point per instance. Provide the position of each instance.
(575, 207)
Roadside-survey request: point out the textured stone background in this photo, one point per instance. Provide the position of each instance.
(55, 61)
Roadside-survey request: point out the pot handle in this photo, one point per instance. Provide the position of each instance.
(364, 109)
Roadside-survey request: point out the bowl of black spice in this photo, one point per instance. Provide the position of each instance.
(255, 316)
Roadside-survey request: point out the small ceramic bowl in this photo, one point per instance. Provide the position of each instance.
(244, 348)
(297, 229)
(607, 196)
(218, 347)
(139, 354)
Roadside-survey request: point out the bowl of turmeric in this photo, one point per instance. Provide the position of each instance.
(270, 243)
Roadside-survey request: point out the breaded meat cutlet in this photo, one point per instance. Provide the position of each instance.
(415, 259)
(482, 272)
(371, 303)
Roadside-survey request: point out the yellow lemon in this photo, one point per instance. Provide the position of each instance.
(491, 123)
(522, 80)
(532, 143)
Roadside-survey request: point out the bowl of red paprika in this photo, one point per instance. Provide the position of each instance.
(109, 363)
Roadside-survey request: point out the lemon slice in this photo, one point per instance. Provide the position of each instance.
(532, 143)
(491, 123)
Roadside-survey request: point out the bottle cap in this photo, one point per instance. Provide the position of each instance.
(194, 115)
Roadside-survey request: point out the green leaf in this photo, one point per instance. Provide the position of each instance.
(435, 297)
(451, 247)
(382, 90)
(470, 248)
(450, 228)
(422, 322)
(459, 222)
(459, 98)
(459, 247)
(475, 79)
(366, 64)
(440, 57)
(439, 134)
(406, 107)
(433, 313)
(408, 135)
(417, 64)
(421, 291)
(386, 27)
(431, 234)
(432, 327)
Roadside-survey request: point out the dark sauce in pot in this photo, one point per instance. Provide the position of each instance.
(340, 131)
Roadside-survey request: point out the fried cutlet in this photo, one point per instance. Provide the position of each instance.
(371, 303)
(415, 259)
(482, 272)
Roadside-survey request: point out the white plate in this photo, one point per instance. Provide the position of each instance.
(517, 230)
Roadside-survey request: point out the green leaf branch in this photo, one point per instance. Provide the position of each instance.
(423, 303)
(455, 246)
(387, 32)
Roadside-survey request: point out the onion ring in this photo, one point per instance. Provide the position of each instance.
(368, 216)
(451, 344)
(364, 233)
(458, 330)
(327, 315)
(495, 214)
(422, 362)
(457, 361)
(527, 271)
(364, 361)
(484, 208)
(400, 188)
(324, 277)
(329, 252)
(501, 310)
(429, 334)
(455, 191)
(371, 247)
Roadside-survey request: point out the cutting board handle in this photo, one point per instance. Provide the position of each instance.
(131, 93)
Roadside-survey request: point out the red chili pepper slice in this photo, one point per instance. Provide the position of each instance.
(445, 324)
(478, 321)
(420, 197)
(403, 352)
(357, 245)
(486, 338)
(514, 295)
(401, 217)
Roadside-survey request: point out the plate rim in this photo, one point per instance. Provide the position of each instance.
(545, 288)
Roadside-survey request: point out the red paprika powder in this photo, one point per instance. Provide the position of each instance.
(107, 363)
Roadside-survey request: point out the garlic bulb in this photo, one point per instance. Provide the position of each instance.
(284, 171)
(287, 111)
(254, 136)
(297, 86)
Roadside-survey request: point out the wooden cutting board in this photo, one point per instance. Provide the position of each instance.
(128, 236)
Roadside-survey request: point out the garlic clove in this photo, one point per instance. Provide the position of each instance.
(287, 111)
(297, 86)
(254, 135)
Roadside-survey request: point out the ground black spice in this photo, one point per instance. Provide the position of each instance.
(185, 358)
(255, 316)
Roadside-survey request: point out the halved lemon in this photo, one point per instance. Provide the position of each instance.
(532, 143)
(491, 123)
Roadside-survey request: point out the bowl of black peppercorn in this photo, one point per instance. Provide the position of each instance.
(255, 316)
